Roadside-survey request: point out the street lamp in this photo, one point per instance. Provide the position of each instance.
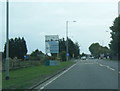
(7, 42)
(67, 53)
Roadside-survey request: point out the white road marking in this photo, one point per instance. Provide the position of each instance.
(88, 63)
(112, 69)
(57, 77)
(96, 62)
(107, 67)
(101, 65)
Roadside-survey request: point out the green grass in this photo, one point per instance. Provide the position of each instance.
(25, 77)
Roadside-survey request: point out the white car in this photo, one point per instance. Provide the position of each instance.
(91, 57)
(83, 58)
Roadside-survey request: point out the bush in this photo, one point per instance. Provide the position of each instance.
(34, 58)
(63, 56)
(43, 59)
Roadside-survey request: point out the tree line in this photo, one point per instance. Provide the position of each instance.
(114, 51)
(18, 48)
(97, 50)
(73, 49)
(115, 35)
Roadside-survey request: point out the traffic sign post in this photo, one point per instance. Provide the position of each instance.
(67, 54)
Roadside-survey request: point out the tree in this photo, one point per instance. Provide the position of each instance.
(73, 48)
(63, 55)
(115, 35)
(62, 45)
(96, 50)
(36, 55)
(77, 50)
(17, 48)
(83, 54)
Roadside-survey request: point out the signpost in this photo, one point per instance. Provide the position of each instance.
(52, 43)
(52, 46)
(67, 54)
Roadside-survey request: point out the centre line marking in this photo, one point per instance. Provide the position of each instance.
(112, 69)
(101, 65)
(107, 67)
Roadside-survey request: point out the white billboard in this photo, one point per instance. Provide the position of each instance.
(52, 43)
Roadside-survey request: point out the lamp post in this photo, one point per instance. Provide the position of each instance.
(119, 8)
(7, 42)
(67, 52)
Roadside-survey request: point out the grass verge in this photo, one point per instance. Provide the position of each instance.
(26, 77)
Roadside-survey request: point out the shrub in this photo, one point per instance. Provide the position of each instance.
(63, 56)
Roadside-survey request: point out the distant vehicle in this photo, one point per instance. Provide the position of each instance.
(26, 57)
(83, 58)
(91, 57)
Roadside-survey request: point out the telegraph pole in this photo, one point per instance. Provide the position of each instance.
(7, 77)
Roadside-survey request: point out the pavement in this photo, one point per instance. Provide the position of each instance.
(86, 74)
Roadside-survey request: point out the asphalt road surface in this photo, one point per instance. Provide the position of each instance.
(86, 74)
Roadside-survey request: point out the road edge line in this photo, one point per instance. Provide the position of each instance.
(57, 76)
(49, 77)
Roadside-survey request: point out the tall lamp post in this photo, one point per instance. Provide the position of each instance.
(67, 52)
(7, 42)
(119, 8)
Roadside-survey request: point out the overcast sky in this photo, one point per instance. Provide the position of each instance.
(34, 20)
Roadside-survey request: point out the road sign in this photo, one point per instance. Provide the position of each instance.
(67, 54)
(52, 43)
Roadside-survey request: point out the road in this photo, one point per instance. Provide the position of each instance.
(86, 74)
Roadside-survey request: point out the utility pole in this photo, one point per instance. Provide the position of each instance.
(67, 54)
(7, 42)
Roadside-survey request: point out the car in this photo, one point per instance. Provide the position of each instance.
(91, 57)
(83, 58)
